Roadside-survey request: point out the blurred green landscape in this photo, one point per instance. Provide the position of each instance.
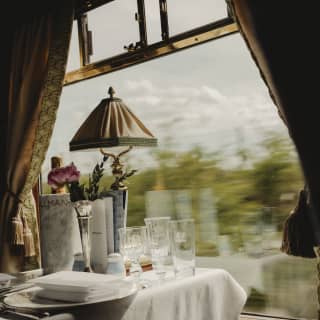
(261, 190)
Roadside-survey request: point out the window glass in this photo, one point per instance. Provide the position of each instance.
(153, 21)
(224, 158)
(113, 26)
(74, 56)
(188, 14)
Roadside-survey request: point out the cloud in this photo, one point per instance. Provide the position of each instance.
(151, 100)
(140, 86)
(213, 94)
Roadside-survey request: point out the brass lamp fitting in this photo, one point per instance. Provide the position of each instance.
(117, 170)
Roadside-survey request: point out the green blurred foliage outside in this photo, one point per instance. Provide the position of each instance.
(241, 193)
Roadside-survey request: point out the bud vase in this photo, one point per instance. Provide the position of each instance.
(84, 215)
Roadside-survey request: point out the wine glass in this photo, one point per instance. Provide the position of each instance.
(159, 244)
(133, 245)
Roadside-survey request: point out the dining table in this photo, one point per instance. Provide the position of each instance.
(209, 294)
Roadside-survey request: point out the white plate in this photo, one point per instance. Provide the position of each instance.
(25, 299)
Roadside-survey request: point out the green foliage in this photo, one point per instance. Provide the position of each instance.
(76, 191)
(240, 194)
(89, 187)
(92, 190)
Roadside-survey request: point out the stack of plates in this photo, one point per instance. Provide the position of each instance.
(70, 286)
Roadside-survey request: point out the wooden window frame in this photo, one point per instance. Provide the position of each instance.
(142, 51)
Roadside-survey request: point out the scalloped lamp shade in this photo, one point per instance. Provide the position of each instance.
(111, 124)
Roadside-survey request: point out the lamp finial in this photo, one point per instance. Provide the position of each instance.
(111, 92)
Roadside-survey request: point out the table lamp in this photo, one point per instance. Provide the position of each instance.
(112, 124)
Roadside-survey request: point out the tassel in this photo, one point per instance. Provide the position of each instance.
(17, 231)
(298, 234)
(29, 249)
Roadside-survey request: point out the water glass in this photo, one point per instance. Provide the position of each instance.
(159, 244)
(133, 241)
(182, 240)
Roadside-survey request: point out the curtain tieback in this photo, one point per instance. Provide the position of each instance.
(21, 234)
(16, 221)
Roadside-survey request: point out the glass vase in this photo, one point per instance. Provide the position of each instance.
(84, 215)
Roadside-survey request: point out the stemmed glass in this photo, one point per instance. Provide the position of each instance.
(159, 244)
(133, 242)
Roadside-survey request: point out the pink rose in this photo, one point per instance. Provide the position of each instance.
(55, 178)
(71, 173)
(60, 176)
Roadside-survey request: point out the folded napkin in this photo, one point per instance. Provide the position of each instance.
(75, 296)
(71, 286)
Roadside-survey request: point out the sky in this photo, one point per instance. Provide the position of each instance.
(210, 95)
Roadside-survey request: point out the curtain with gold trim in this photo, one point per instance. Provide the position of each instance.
(38, 56)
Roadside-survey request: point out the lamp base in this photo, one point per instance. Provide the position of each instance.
(118, 186)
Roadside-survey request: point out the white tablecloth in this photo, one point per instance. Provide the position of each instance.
(212, 294)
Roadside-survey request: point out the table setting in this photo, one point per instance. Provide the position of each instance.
(174, 288)
(75, 293)
(209, 294)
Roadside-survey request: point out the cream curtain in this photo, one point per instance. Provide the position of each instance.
(36, 56)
